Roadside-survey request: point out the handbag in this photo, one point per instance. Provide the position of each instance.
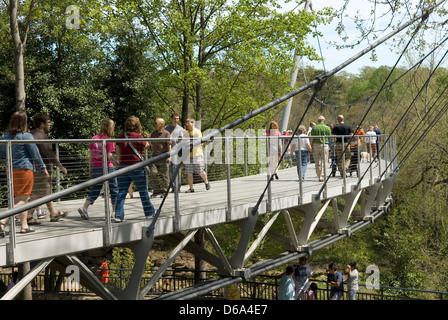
(135, 150)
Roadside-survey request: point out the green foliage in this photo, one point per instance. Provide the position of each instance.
(218, 61)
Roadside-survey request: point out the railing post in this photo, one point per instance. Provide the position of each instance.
(378, 156)
(324, 164)
(268, 170)
(246, 153)
(299, 165)
(371, 166)
(108, 227)
(58, 172)
(228, 147)
(176, 172)
(344, 171)
(12, 229)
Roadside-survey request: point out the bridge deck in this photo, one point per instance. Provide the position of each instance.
(202, 208)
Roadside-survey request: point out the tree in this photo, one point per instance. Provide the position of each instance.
(19, 48)
(205, 47)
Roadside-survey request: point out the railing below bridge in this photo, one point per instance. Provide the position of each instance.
(262, 287)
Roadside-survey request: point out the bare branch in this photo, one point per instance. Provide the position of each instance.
(28, 22)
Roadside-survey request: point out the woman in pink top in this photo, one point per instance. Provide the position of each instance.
(96, 166)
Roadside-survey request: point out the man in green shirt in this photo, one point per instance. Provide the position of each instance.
(319, 145)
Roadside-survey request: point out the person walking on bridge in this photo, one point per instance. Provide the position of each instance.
(319, 145)
(107, 131)
(25, 159)
(42, 185)
(343, 154)
(195, 163)
(129, 153)
(176, 134)
(160, 167)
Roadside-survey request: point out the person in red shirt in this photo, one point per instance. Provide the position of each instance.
(129, 152)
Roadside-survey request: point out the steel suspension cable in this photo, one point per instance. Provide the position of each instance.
(409, 108)
(427, 114)
(317, 196)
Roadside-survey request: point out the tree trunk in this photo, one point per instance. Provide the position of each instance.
(18, 55)
(199, 264)
(26, 293)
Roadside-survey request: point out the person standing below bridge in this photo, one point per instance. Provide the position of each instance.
(25, 158)
(343, 153)
(176, 134)
(302, 271)
(129, 153)
(195, 164)
(319, 144)
(160, 167)
(352, 280)
(107, 131)
(42, 184)
(286, 286)
(334, 280)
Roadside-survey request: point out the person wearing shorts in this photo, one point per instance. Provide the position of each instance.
(25, 158)
(195, 163)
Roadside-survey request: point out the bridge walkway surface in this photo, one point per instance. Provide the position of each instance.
(200, 209)
(351, 201)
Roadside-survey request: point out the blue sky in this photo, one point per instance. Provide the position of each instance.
(385, 54)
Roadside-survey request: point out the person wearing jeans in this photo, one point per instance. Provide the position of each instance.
(138, 177)
(107, 131)
(305, 149)
(130, 152)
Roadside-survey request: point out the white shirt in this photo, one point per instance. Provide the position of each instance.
(370, 137)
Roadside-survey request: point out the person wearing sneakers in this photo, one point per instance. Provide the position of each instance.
(129, 152)
(42, 184)
(25, 159)
(195, 163)
(319, 144)
(96, 166)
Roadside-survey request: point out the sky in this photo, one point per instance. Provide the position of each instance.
(385, 54)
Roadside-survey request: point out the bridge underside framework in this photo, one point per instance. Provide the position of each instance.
(339, 207)
(345, 206)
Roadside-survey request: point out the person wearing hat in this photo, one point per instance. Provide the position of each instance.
(352, 280)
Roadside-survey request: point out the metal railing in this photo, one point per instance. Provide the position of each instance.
(226, 157)
(262, 287)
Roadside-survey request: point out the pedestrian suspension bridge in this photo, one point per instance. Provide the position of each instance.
(315, 213)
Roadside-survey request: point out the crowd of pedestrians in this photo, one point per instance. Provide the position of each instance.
(335, 144)
(32, 165)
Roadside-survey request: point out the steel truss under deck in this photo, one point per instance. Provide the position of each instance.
(340, 216)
